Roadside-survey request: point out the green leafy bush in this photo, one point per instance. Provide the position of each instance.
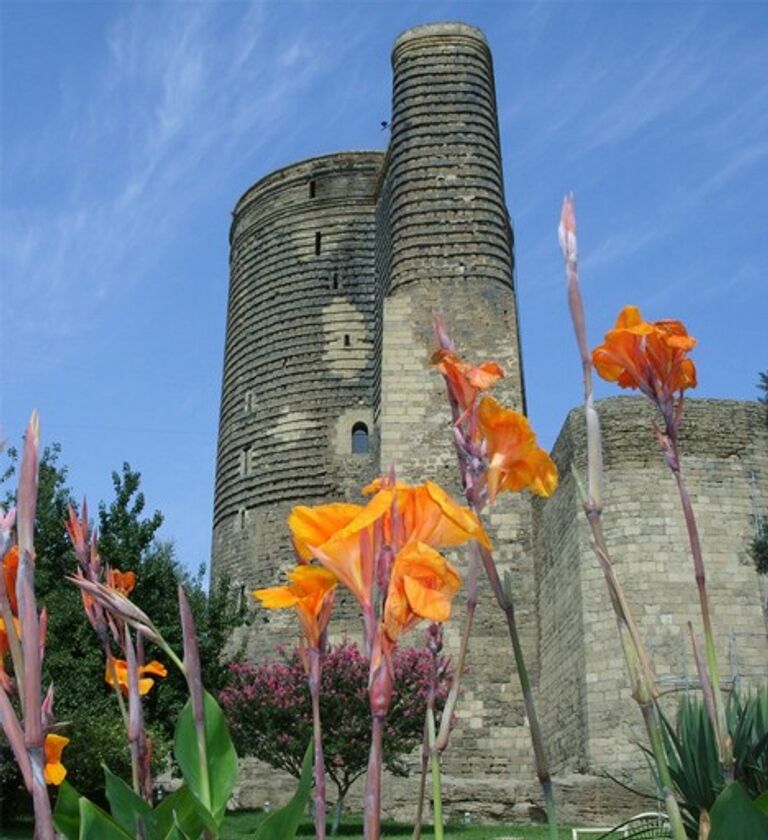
(692, 753)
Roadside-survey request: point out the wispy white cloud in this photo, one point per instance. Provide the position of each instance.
(163, 126)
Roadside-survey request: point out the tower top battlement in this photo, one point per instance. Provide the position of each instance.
(440, 32)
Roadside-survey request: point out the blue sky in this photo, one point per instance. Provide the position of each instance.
(130, 129)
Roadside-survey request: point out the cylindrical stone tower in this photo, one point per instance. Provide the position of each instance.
(297, 393)
(449, 249)
(447, 228)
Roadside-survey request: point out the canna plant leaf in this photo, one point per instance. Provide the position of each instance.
(735, 816)
(96, 824)
(222, 759)
(283, 823)
(177, 816)
(66, 814)
(126, 806)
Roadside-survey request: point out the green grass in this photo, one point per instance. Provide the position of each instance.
(242, 824)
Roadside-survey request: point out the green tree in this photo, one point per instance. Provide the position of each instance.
(74, 661)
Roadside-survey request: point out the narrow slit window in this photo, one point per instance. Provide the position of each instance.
(346, 340)
(318, 242)
(312, 188)
(335, 280)
(359, 439)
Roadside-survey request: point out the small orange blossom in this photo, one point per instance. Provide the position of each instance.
(123, 582)
(54, 771)
(466, 381)
(648, 356)
(10, 570)
(154, 667)
(515, 461)
(422, 585)
(311, 592)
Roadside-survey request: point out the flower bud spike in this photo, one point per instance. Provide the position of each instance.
(441, 332)
(27, 497)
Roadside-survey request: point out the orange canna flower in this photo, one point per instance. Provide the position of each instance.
(10, 570)
(341, 554)
(515, 461)
(154, 667)
(466, 381)
(313, 526)
(311, 592)
(648, 356)
(54, 772)
(431, 516)
(422, 585)
(123, 582)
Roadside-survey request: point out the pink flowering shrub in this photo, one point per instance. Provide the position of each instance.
(269, 710)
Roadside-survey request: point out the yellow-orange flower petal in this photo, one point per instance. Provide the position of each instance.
(54, 771)
(10, 570)
(154, 667)
(432, 516)
(341, 553)
(123, 582)
(515, 461)
(422, 585)
(311, 591)
(648, 356)
(313, 526)
(466, 381)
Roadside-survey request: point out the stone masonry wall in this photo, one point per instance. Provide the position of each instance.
(590, 719)
(299, 363)
(450, 251)
(338, 265)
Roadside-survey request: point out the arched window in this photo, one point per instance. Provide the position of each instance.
(359, 439)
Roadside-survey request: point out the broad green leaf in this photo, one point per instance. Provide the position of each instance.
(282, 824)
(735, 816)
(761, 803)
(177, 816)
(124, 803)
(66, 814)
(222, 758)
(96, 824)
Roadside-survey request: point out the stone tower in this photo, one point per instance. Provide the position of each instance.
(299, 366)
(338, 265)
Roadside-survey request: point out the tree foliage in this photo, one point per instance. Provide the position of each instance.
(270, 712)
(74, 660)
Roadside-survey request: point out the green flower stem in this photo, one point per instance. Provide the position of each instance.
(507, 606)
(373, 781)
(437, 797)
(422, 785)
(653, 727)
(719, 723)
(319, 795)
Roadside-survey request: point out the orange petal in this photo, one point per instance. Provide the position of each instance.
(458, 523)
(425, 602)
(276, 597)
(55, 773)
(154, 667)
(145, 685)
(313, 526)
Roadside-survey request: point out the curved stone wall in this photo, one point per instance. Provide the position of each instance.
(299, 367)
(447, 203)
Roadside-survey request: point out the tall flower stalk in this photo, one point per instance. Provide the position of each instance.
(653, 358)
(385, 553)
(496, 451)
(641, 676)
(35, 746)
(311, 593)
(129, 677)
